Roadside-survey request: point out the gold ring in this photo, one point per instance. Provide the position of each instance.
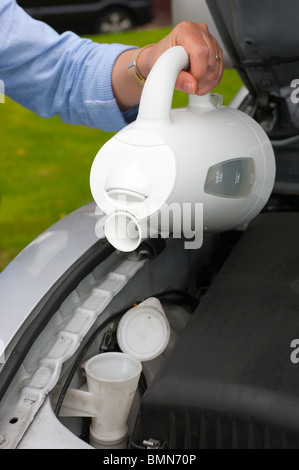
(218, 59)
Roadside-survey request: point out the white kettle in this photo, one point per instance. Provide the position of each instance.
(183, 171)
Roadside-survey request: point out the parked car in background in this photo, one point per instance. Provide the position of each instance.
(94, 16)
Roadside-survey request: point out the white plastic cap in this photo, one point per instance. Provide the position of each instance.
(144, 331)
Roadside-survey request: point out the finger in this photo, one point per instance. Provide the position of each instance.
(220, 65)
(199, 60)
(218, 50)
(186, 82)
(204, 67)
(216, 46)
(219, 55)
(213, 47)
(215, 68)
(208, 85)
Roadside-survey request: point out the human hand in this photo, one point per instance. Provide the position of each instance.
(205, 70)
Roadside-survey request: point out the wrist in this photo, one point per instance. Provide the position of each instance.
(139, 66)
(144, 60)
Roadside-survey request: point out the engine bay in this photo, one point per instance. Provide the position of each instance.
(227, 378)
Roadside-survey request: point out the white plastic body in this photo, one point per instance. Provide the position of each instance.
(112, 378)
(172, 151)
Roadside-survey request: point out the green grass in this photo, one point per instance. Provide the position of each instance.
(45, 163)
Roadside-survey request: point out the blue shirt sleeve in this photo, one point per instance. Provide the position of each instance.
(54, 74)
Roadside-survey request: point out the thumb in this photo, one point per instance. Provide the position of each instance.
(186, 82)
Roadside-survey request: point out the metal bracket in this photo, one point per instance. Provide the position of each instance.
(152, 443)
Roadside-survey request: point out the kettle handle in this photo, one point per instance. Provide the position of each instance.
(157, 93)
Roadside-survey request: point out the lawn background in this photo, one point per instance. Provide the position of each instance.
(45, 163)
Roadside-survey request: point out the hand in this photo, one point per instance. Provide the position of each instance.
(203, 75)
(205, 72)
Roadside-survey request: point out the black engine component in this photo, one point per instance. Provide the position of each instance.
(230, 381)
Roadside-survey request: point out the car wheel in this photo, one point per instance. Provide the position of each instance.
(114, 21)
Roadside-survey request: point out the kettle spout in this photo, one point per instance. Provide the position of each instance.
(124, 231)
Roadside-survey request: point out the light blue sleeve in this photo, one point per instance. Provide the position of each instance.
(54, 74)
